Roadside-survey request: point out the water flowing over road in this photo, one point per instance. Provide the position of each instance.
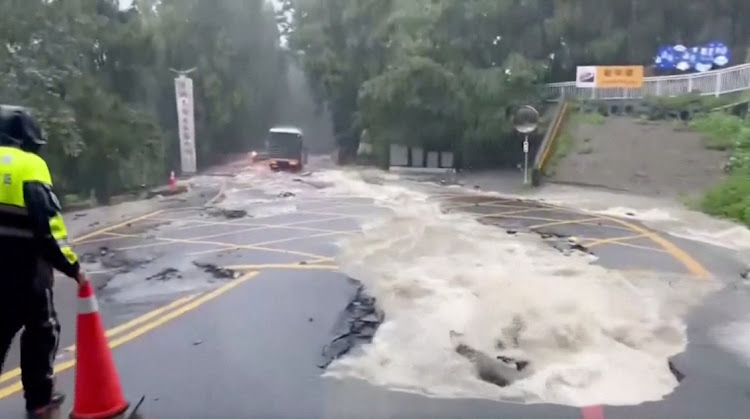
(507, 303)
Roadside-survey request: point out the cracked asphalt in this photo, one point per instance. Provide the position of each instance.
(216, 314)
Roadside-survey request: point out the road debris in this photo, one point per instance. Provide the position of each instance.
(165, 191)
(234, 213)
(110, 260)
(678, 375)
(227, 213)
(217, 272)
(356, 325)
(165, 275)
(499, 370)
(567, 245)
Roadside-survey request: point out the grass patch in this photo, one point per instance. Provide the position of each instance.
(720, 130)
(560, 149)
(731, 198)
(591, 118)
(691, 201)
(566, 143)
(697, 102)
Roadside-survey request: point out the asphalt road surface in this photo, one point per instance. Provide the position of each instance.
(222, 311)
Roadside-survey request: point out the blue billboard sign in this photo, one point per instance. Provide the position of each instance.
(699, 58)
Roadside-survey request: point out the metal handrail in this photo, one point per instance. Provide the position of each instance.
(710, 83)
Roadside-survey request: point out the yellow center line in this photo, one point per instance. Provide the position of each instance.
(637, 246)
(16, 387)
(219, 194)
(613, 240)
(519, 217)
(229, 246)
(262, 246)
(523, 211)
(294, 225)
(163, 241)
(110, 233)
(116, 330)
(563, 222)
(320, 260)
(444, 196)
(101, 231)
(692, 265)
(498, 203)
(335, 214)
(292, 266)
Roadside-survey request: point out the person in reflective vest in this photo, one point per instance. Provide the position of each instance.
(33, 242)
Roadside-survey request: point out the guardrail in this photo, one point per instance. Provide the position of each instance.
(710, 83)
(545, 148)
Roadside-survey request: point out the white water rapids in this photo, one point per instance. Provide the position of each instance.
(593, 335)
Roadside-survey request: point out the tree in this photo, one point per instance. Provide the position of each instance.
(497, 52)
(98, 78)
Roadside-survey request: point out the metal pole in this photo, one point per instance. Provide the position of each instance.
(526, 160)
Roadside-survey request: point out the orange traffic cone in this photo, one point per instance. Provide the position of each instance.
(98, 394)
(172, 180)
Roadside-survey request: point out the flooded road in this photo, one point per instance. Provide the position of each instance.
(230, 309)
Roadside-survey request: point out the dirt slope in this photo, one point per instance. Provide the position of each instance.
(650, 158)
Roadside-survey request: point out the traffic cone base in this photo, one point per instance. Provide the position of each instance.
(98, 394)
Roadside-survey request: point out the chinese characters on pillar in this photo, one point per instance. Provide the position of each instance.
(186, 123)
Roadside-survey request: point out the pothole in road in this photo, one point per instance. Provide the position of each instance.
(168, 274)
(356, 325)
(165, 275)
(109, 263)
(478, 312)
(217, 272)
(360, 320)
(566, 244)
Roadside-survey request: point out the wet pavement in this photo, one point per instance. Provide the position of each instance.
(226, 314)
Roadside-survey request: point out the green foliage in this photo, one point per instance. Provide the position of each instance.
(731, 198)
(418, 100)
(720, 130)
(98, 78)
(588, 118)
(693, 103)
(560, 149)
(437, 74)
(491, 55)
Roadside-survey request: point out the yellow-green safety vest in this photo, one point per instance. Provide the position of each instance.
(16, 167)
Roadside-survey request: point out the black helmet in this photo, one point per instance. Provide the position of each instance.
(19, 127)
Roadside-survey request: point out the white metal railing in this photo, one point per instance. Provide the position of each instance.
(710, 83)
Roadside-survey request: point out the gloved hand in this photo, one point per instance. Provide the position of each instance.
(81, 278)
